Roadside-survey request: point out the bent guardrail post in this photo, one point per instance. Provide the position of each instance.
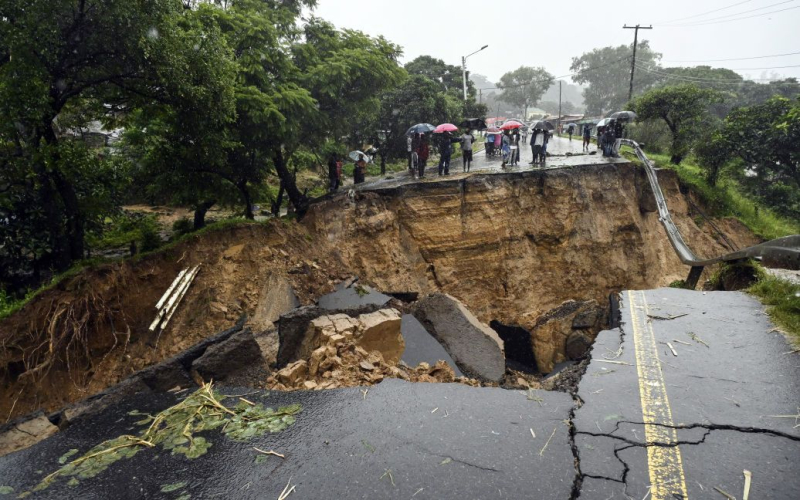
(782, 251)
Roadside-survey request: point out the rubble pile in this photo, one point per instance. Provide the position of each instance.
(358, 351)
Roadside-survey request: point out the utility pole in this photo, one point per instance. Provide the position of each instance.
(633, 61)
(464, 70)
(558, 120)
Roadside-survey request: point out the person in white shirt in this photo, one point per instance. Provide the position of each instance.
(466, 149)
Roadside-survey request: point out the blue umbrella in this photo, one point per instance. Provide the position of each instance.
(421, 128)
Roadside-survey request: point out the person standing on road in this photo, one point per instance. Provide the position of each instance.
(410, 149)
(423, 151)
(570, 129)
(445, 153)
(619, 130)
(359, 171)
(537, 146)
(514, 145)
(334, 172)
(466, 149)
(587, 137)
(608, 140)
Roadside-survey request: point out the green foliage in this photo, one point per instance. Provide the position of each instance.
(169, 488)
(782, 299)
(606, 73)
(735, 276)
(524, 86)
(175, 429)
(678, 284)
(726, 200)
(121, 230)
(683, 108)
(182, 226)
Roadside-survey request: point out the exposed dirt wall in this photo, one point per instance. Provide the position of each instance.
(511, 247)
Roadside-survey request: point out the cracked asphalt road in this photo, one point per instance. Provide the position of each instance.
(729, 380)
(731, 377)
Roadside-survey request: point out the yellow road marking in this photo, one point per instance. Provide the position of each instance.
(664, 462)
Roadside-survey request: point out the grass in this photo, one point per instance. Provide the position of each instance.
(726, 200)
(782, 299)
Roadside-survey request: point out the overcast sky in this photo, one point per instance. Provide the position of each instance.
(550, 33)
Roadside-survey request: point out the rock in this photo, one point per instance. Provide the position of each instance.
(310, 385)
(550, 332)
(296, 336)
(578, 345)
(216, 306)
(476, 348)
(367, 366)
(276, 298)
(330, 364)
(26, 433)
(317, 357)
(585, 319)
(237, 360)
(293, 373)
(233, 252)
(380, 331)
(336, 340)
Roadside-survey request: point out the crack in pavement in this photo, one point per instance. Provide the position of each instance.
(708, 427)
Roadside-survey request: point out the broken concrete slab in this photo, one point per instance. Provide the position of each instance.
(476, 445)
(550, 332)
(23, 434)
(421, 347)
(237, 360)
(476, 348)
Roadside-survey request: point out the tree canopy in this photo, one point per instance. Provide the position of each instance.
(524, 86)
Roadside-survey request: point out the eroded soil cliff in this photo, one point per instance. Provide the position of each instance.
(512, 247)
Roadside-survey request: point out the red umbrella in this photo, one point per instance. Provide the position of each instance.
(445, 127)
(511, 124)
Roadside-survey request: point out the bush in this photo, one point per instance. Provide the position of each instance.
(182, 226)
(150, 239)
(783, 301)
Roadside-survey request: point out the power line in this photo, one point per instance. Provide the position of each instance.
(694, 79)
(703, 21)
(729, 20)
(737, 58)
(704, 13)
(773, 67)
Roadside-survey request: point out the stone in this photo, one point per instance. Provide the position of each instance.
(577, 346)
(336, 340)
(293, 373)
(26, 433)
(316, 359)
(366, 366)
(233, 252)
(310, 385)
(585, 319)
(380, 331)
(330, 364)
(477, 349)
(236, 360)
(550, 332)
(276, 298)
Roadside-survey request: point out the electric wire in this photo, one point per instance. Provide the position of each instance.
(702, 21)
(729, 20)
(708, 12)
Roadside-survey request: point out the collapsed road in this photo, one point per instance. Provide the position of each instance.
(675, 403)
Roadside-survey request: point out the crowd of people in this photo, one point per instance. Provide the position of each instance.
(506, 143)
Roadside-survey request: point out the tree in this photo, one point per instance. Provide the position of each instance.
(451, 80)
(524, 86)
(766, 139)
(684, 108)
(606, 71)
(107, 56)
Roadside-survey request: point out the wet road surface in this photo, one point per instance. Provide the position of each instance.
(647, 422)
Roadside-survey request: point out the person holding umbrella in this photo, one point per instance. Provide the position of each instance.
(537, 145)
(587, 137)
(446, 141)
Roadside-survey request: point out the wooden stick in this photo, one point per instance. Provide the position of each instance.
(748, 477)
(270, 452)
(672, 349)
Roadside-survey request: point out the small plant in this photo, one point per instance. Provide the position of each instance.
(151, 239)
(182, 226)
(678, 284)
(782, 299)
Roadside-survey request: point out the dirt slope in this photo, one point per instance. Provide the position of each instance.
(511, 247)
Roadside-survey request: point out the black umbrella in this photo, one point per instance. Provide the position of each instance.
(624, 116)
(543, 125)
(473, 124)
(421, 128)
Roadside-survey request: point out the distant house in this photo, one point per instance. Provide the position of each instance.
(94, 135)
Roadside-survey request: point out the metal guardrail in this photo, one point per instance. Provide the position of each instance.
(784, 250)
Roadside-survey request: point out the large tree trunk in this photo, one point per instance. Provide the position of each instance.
(248, 201)
(200, 213)
(298, 199)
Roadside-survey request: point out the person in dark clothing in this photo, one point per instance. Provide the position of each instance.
(359, 172)
(587, 137)
(608, 141)
(423, 151)
(334, 172)
(537, 145)
(514, 140)
(619, 131)
(445, 152)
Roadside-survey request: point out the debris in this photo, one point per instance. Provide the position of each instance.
(446, 461)
(367, 366)
(681, 342)
(270, 452)
(748, 477)
(418, 491)
(674, 353)
(697, 339)
(286, 491)
(795, 417)
(541, 453)
(533, 397)
(613, 362)
(533, 433)
(169, 302)
(388, 473)
(614, 354)
(435, 410)
(603, 372)
(666, 318)
(793, 352)
(368, 446)
(725, 494)
(364, 392)
(169, 488)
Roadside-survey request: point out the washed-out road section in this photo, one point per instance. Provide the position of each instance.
(690, 391)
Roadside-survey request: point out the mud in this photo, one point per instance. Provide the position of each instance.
(511, 247)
